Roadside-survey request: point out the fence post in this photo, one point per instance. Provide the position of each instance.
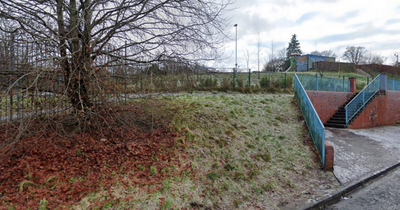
(316, 80)
(11, 99)
(382, 83)
(125, 68)
(343, 84)
(234, 69)
(141, 78)
(285, 80)
(187, 78)
(249, 77)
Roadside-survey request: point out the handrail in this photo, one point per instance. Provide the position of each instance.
(362, 98)
(314, 123)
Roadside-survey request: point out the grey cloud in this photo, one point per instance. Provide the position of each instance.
(252, 24)
(348, 15)
(307, 16)
(367, 31)
(388, 45)
(392, 21)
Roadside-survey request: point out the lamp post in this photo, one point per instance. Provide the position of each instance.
(397, 59)
(236, 65)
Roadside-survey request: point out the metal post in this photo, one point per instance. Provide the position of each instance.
(141, 78)
(316, 81)
(285, 81)
(236, 65)
(343, 84)
(249, 77)
(125, 72)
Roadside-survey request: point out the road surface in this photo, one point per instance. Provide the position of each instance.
(384, 193)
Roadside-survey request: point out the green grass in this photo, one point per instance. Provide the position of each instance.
(246, 150)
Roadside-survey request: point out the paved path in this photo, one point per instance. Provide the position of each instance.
(364, 152)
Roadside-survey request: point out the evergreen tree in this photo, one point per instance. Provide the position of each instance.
(294, 47)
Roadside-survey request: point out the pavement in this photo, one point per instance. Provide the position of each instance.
(361, 156)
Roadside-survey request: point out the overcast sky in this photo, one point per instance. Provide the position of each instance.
(319, 25)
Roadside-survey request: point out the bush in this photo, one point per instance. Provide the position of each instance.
(225, 84)
(239, 82)
(264, 82)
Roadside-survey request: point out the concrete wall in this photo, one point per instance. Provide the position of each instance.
(327, 103)
(382, 110)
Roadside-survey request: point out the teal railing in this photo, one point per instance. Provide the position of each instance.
(314, 124)
(393, 84)
(318, 83)
(362, 98)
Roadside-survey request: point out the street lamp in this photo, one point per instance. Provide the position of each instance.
(397, 59)
(236, 65)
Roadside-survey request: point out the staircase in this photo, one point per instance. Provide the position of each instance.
(338, 120)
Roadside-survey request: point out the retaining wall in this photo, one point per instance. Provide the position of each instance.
(327, 103)
(383, 110)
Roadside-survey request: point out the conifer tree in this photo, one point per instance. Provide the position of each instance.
(294, 47)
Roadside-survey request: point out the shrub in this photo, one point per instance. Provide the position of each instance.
(264, 82)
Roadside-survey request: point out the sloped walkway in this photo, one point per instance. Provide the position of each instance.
(362, 153)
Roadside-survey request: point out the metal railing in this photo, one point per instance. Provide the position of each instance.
(314, 124)
(363, 97)
(394, 84)
(318, 83)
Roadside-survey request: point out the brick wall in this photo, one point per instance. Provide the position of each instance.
(327, 103)
(381, 111)
(329, 157)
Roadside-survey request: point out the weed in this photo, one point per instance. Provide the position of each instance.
(213, 176)
(236, 203)
(164, 170)
(229, 167)
(75, 179)
(215, 165)
(166, 185)
(108, 205)
(153, 170)
(80, 153)
(269, 186)
(254, 173)
(167, 205)
(239, 176)
(43, 204)
(250, 146)
(265, 156)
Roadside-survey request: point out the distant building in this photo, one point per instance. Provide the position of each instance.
(306, 62)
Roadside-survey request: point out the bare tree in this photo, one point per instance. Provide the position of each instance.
(277, 61)
(374, 59)
(259, 44)
(247, 55)
(327, 53)
(354, 54)
(272, 56)
(83, 32)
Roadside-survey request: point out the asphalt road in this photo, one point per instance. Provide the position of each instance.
(384, 193)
